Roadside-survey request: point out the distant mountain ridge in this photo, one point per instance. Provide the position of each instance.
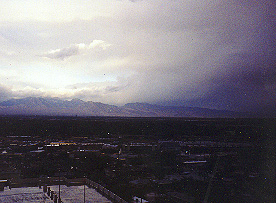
(59, 107)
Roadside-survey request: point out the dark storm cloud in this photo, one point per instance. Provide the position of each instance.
(249, 79)
(248, 83)
(239, 53)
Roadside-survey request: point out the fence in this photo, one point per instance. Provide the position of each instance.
(105, 192)
(33, 182)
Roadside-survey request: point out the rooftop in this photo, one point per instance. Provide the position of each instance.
(72, 194)
(75, 194)
(24, 195)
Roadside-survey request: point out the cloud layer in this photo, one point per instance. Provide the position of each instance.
(216, 54)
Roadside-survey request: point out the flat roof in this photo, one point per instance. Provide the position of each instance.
(75, 194)
(72, 194)
(24, 195)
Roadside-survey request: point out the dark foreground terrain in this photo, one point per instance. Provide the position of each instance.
(157, 159)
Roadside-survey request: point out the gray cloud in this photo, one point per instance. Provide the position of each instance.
(75, 49)
(61, 54)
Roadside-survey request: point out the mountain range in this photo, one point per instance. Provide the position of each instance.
(77, 107)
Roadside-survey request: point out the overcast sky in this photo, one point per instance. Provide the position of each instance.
(216, 54)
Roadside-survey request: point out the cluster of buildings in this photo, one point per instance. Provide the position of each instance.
(135, 168)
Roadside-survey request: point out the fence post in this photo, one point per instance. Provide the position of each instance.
(48, 191)
(55, 198)
(44, 188)
(52, 195)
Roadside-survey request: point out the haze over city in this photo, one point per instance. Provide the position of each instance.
(213, 54)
